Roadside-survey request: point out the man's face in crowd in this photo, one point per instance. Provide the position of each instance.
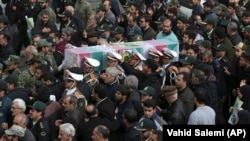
(148, 111)
(167, 27)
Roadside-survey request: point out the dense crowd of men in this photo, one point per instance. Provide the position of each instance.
(203, 81)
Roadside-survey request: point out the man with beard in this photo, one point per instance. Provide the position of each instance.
(168, 35)
(12, 66)
(66, 20)
(246, 18)
(44, 25)
(44, 4)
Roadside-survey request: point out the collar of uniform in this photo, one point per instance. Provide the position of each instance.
(71, 91)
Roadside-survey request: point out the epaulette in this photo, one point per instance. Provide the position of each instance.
(78, 95)
(92, 76)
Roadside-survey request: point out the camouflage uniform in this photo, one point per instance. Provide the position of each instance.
(16, 72)
(26, 79)
(49, 57)
(83, 10)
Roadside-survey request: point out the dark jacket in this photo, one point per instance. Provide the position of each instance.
(5, 51)
(106, 109)
(39, 27)
(40, 130)
(176, 114)
(17, 93)
(86, 128)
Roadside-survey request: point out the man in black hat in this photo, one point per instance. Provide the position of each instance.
(37, 123)
(145, 128)
(66, 21)
(118, 35)
(12, 66)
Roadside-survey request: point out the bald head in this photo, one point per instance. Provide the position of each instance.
(91, 111)
(21, 120)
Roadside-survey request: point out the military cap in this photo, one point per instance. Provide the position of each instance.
(206, 44)
(246, 29)
(74, 74)
(148, 91)
(167, 53)
(43, 43)
(114, 56)
(222, 8)
(136, 55)
(90, 62)
(104, 27)
(3, 85)
(101, 7)
(145, 124)
(220, 47)
(137, 38)
(118, 30)
(38, 105)
(210, 22)
(4, 19)
(1, 66)
(154, 52)
(13, 59)
(15, 130)
(11, 78)
(225, 19)
(65, 13)
(51, 40)
(160, 19)
(151, 63)
(169, 90)
(126, 5)
(189, 59)
(33, 60)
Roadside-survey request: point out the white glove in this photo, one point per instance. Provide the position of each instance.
(64, 64)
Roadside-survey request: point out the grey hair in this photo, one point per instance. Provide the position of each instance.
(20, 103)
(131, 81)
(68, 129)
(113, 71)
(32, 50)
(68, 30)
(232, 26)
